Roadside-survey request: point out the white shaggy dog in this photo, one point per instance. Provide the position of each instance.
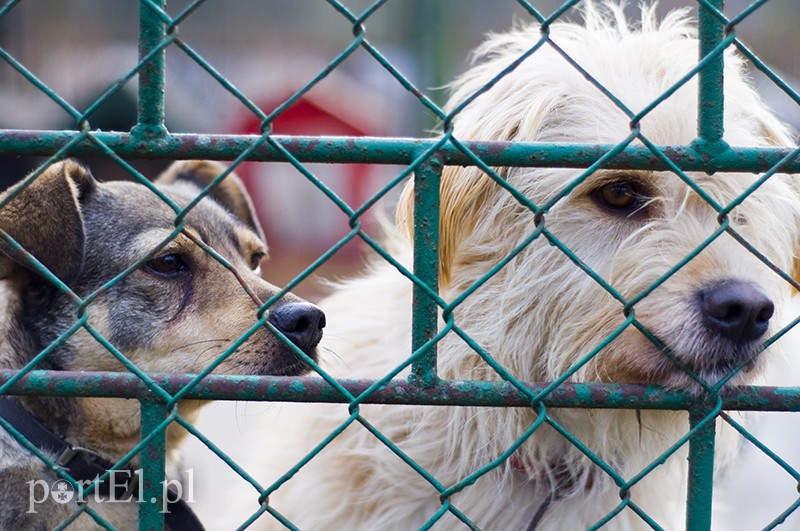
(540, 315)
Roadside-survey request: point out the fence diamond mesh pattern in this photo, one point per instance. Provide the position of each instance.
(423, 160)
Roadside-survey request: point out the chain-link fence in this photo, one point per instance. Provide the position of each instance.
(434, 317)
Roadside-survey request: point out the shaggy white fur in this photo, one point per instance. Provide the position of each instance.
(540, 315)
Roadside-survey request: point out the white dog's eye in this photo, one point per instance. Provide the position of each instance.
(621, 197)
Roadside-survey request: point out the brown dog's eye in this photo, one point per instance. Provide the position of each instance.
(255, 260)
(167, 265)
(621, 197)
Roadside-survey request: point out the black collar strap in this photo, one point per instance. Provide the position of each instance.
(83, 464)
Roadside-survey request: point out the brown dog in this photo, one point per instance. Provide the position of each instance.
(176, 312)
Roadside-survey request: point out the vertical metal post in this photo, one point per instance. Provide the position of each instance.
(710, 126)
(153, 462)
(426, 267)
(152, 32)
(710, 131)
(701, 472)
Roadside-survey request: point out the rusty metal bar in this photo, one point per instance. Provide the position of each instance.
(153, 462)
(393, 151)
(426, 269)
(152, 76)
(701, 469)
(472, 393)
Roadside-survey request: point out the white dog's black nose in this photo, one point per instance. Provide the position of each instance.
(300, 322)
(737, 310)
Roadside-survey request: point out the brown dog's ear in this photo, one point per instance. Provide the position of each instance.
(230, 193)
(45, 219)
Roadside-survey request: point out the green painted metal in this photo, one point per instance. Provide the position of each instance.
(710, 123)
(398, 391)
(152, 74)
(701, 468)
(426, 269)
(432, 317)
(776, 459)
(710, 130)
(152, 463)
(343, 150)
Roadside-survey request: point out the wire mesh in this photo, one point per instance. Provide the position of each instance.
(434, 318)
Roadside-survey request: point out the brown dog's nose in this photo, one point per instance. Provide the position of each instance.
(737, 310)
(300, 322)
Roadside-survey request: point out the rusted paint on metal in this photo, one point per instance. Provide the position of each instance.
(701, 469)
(373, 150)
(427, 179)
(474, 393)
(153, 462)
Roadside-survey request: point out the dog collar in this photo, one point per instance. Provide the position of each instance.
(83, 464)
(560, 488)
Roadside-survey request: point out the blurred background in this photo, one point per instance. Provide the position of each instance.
(269, 49)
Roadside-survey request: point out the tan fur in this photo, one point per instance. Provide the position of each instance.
(27, 217)
(163, 323)
(228, 192)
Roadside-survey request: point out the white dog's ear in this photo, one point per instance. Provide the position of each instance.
(776, 134)
(230, 193)
(512, 114)
(463, 193)
(45, 219)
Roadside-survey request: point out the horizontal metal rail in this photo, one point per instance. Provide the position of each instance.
(444, 393)
(374, 150)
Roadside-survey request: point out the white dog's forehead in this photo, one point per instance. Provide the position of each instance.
(613, 84)
(643, 90)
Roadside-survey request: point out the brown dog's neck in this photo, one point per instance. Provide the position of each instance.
(74, 420)
(109, 427)
(109, 431)
(24, 329)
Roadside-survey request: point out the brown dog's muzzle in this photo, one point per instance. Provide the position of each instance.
(301, 323)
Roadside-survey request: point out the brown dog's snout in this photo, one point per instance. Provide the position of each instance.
(737, 310)
(300, 322)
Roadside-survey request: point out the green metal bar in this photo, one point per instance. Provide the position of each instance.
(152, 76)
(426, 268)
(445, 392)
(710, 125)
(376, 150)
(701, 470)
(153, 462)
